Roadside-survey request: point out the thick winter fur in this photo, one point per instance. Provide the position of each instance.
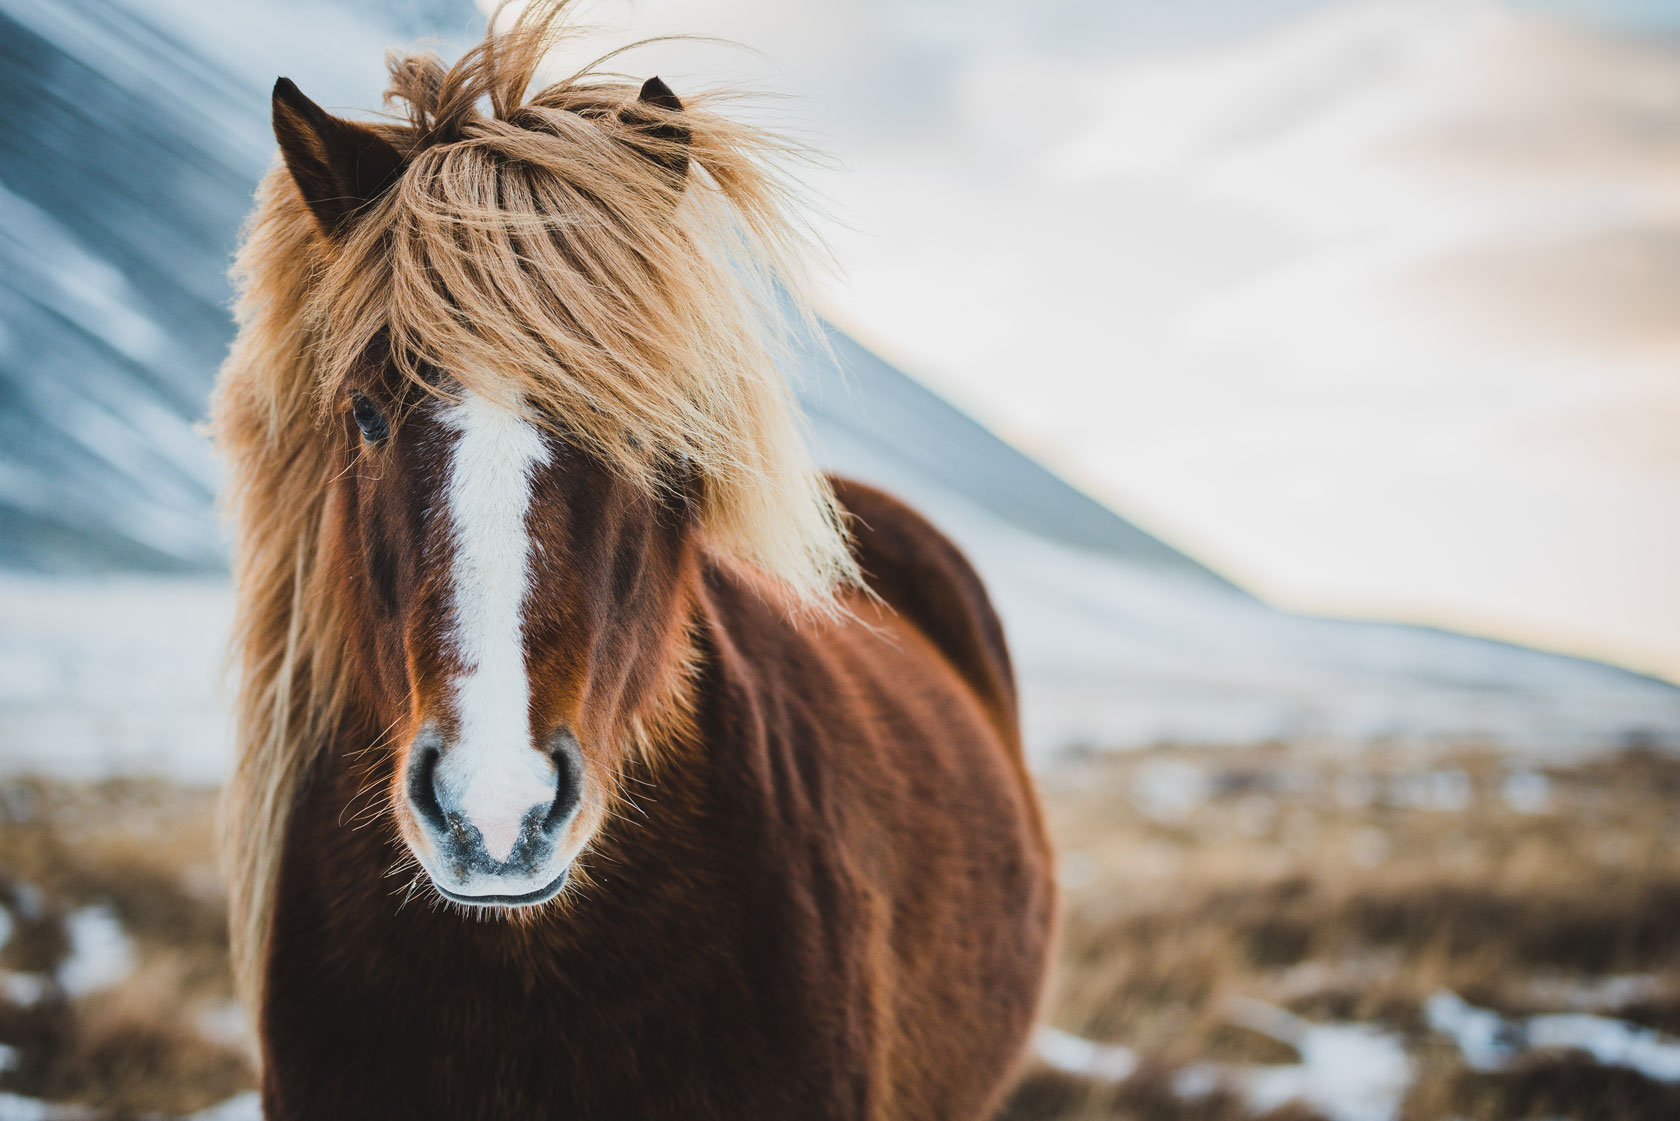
(810, 879)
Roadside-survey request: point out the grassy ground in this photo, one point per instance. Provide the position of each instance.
(163, 1040)
(1196, 880)
(1193, 881)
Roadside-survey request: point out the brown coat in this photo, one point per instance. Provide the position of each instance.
(836, 902)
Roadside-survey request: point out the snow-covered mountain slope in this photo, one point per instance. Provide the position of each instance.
(119, 201)
(138, 133)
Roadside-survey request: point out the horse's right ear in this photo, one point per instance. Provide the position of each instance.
(338, 165)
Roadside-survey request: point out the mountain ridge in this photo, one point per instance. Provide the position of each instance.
(113, 317)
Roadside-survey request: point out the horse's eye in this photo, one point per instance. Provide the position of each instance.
(368, 418)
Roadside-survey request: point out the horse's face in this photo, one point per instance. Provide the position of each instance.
(519, 612)
(521, 608)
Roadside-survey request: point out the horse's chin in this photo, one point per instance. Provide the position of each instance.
(495, 889)
(485, 892)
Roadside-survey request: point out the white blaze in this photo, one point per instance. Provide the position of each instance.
(492, 772)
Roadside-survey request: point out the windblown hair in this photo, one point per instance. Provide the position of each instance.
(537, 249)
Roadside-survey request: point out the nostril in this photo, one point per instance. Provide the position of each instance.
(568, 783)
(422, 789)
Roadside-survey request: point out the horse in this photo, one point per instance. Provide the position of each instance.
(598, 756)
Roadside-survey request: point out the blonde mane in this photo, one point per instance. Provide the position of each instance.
(536, 249)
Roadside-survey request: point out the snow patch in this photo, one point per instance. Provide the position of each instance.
(1490, 1041)
(241, 1107)
(225, 1023)
(1527, 792)
(1598, 994)
(1170, 790)
(23, 989)
(14, 1107)
(1347, 1072)
(1085, 1058)
(101, 954)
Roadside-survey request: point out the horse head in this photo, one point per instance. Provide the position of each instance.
(516, 604)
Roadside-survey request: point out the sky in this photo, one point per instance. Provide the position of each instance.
(1365, 303)
(1627, 16)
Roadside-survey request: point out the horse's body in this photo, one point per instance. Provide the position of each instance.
(599, 758)
(835, 907)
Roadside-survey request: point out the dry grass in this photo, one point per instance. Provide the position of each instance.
(1339, 890)
(163, 1040)
(1352, 893)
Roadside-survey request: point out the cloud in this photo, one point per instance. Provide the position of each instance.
(1373, 308)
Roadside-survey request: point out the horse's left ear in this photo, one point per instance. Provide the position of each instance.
(338, 165)
(661, 135)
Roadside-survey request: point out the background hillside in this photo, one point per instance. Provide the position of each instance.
(139, 133)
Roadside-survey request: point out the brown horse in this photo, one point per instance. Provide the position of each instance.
(599, 757)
